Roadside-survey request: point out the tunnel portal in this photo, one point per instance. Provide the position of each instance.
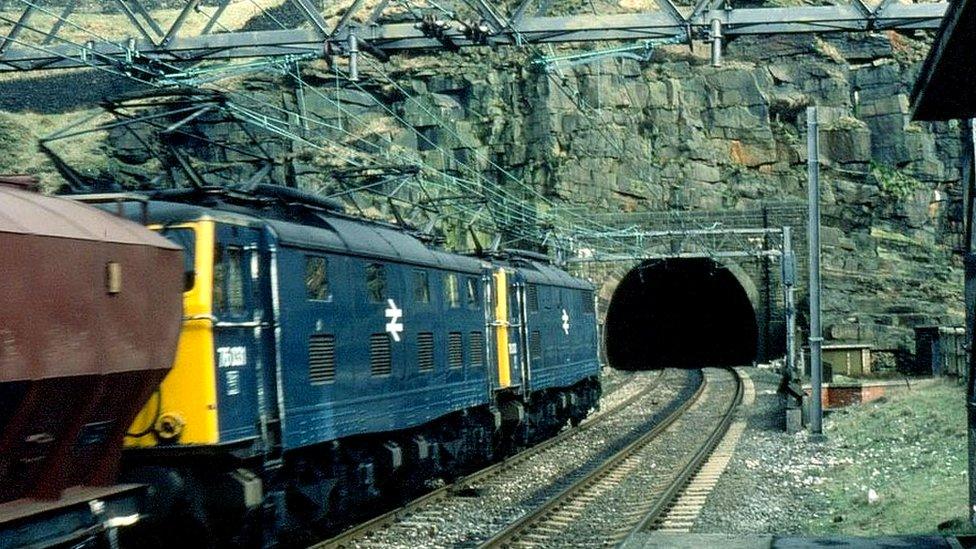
(684, 313)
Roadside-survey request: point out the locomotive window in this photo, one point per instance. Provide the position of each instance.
(235, 280)
(452, 294)
(187, 239)
(472, 292)
(228, 278)
(376, 282)
(218, 280)
(317, 278)
(421, 286)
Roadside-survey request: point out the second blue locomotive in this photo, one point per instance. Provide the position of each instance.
(326, 362)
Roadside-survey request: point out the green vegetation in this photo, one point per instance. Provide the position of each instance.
(894, 183)
(13, 135)
(911, 450)
(19, 152)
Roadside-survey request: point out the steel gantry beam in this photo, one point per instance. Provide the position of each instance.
(475, 23)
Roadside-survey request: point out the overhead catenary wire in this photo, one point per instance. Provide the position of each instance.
(582, 105)
(509, 206)
(278, 126)
(272, 124)
(580, 102)
(580, 224)
(480, 181)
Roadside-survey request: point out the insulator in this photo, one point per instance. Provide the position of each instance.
(353, 45)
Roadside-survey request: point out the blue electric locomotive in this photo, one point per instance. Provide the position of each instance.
(326, 361)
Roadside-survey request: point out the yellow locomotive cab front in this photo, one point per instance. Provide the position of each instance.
(184, 408)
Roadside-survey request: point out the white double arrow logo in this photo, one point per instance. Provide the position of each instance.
(565, 322)
(394, 326)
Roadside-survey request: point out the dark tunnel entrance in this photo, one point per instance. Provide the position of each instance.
(684, 313)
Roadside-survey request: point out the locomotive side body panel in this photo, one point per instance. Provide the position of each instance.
(371, 346)
(560, 327)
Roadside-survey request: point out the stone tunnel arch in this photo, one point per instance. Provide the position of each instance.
(683, 312)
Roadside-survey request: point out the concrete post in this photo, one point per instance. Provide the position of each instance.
(813, 243)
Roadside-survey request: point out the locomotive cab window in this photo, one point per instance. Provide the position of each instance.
(229, 280)
(452, 294)
(472, 292)
(317, 278)
(187, 239)
(421, 286)
(376, 282)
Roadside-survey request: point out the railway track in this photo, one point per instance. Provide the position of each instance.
(426, 520)
(684, 509)
(636, 486)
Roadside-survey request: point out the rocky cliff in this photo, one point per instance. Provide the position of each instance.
(677, 134)
(673, 133)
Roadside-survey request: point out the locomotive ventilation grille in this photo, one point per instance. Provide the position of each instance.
(425, 351)
(321, 359)
(535, 346)
(477, 349)
(589, 307)
(532, 296)
(380, 361)
(455, 353)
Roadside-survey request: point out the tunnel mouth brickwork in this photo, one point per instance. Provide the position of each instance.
(685, 313)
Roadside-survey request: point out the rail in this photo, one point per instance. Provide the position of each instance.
(691, 468)
(516, 531)
(349, 537)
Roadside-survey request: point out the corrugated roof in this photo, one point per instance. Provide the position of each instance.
(363, 238)
(538, 272)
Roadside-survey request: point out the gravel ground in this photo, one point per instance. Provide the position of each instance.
(773, 477)
(896, 466)
(476, 513)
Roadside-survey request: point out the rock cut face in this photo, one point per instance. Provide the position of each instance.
(686, 313)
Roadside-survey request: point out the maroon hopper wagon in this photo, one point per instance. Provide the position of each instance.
(90, 310)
